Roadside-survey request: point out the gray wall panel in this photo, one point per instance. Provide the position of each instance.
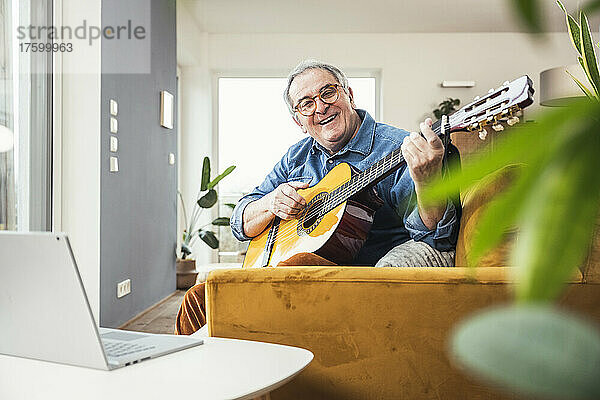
(138, 203)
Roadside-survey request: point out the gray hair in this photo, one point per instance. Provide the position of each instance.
(312, 64)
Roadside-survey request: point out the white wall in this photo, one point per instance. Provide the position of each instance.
(196, 140)
(79, 167)
(411, 67)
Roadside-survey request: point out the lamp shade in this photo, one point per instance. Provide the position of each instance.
(6, 139)
(557, 88)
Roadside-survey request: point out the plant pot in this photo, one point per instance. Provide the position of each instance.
(185, 266)
(186, 274)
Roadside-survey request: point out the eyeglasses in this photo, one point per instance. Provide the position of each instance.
(328, 94)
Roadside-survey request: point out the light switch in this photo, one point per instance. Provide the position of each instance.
(171, 159)
(166, 109)
(114, 164)
(114, 125)
(114, 144)
(114, 107)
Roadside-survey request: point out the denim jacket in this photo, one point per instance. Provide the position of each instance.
(396, 222)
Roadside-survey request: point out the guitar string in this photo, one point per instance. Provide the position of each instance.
(356, 182)
(361, 180)
(317, 210)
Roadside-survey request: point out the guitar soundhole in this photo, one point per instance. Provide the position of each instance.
(310, 221)
(312, 215)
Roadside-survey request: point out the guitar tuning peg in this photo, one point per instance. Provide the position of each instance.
(474, 126)
(519, 113)
(491, 90)
(512, 120)
(483, 134)
(476, 98)
(498, 127)
(505, 83)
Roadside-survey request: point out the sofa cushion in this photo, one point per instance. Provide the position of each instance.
(474, 202)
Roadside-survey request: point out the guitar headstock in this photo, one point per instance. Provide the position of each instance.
(503, 104)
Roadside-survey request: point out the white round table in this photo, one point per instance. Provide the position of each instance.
(218, 369)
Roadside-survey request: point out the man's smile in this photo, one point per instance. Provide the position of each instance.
(328, 119)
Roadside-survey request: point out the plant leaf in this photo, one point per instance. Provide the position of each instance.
(221, 221)
(185, 250)
(209, 238)
(582, 63)
(205, 174)
(581, 86)
(529, 13)
(208, 200)
(541, 141)
(573, 29)
(558, 218)
(218, 178)
(535, 350)
(500, 214)
(504, 211)
(230, 205)
(589, 56)
(518, 146)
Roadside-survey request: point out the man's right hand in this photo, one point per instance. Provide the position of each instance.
(285, 202)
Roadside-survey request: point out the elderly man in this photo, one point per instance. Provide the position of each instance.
(322, 105)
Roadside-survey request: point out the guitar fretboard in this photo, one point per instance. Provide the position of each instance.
(370, 176)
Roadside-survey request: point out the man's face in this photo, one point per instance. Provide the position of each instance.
(331, 125)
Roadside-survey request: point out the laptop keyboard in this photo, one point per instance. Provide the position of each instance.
(120, 349)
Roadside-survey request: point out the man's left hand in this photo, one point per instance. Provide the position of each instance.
(423, 154)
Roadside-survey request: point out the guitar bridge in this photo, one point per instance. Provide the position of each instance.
(270, 242)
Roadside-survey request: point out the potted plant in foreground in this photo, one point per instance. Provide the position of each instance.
(207, 197)
(532, 346)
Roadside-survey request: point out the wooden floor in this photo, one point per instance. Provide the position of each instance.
(159, 318)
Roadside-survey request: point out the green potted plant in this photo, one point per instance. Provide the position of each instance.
(207, 197)
(446, 107)
(532, 346)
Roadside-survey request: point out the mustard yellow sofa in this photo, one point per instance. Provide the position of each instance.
(378, 333)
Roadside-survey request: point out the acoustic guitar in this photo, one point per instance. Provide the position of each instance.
(340, 208)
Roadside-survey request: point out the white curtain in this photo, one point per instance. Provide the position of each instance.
(7, 177)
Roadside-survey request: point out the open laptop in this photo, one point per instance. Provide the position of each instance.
(45, 313)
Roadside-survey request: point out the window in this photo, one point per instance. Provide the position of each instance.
(25, 109)
(256, 141)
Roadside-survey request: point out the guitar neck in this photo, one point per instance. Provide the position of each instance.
(497, 105)
(374, 174)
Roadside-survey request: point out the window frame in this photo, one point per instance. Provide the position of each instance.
(31, 121)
